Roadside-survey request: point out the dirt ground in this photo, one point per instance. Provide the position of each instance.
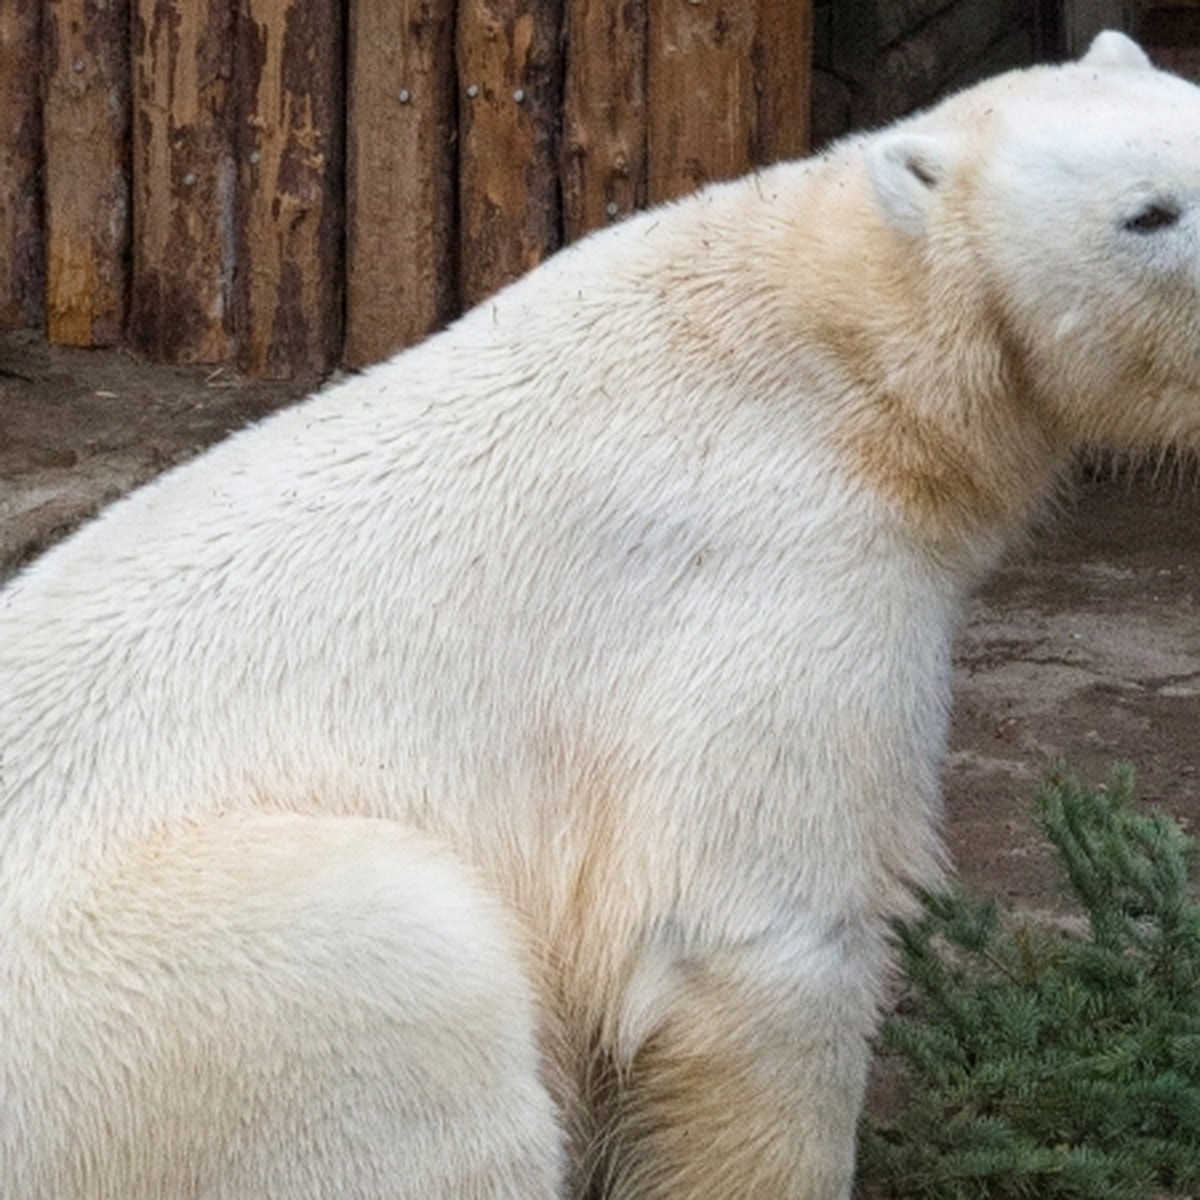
(1086, 647)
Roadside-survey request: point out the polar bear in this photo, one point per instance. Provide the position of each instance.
(492, 777)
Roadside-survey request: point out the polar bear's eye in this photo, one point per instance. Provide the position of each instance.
(1153, 217)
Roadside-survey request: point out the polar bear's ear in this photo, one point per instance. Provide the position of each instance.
(905, 170)
(1113, 49)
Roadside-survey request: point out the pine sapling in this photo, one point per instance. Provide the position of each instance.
(1042, 1061)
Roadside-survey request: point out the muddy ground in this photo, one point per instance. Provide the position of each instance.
(1085, 647)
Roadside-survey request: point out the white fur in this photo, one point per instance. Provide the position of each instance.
(1113, 49)
(492, 777)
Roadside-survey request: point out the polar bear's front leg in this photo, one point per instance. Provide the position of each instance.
(751, 1083)
(276, 1006)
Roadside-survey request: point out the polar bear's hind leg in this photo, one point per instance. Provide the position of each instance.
(289, 1006)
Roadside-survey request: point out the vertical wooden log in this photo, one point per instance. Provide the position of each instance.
(401, 166)
(86, 140)
(508, 105)
(183, 181)
(782, 52)
(701, 86)
(604, 111)
(721, 78)
(22, 252)
(290, 158)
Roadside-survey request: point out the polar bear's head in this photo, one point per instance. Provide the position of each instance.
(1070, 197)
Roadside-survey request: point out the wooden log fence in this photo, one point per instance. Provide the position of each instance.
(286, 185)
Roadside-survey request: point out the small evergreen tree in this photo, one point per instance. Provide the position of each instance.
(1041, 1063)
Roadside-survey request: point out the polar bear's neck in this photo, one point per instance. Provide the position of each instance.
(917, 385)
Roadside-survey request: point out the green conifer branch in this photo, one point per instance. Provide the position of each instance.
(1040, 1063)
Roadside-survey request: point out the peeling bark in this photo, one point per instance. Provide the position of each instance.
(289, 72)
(183, 181)
(22, 269)
(604, 107)
(86, 147)
(508, 58)
(728, 89)
(401, 175)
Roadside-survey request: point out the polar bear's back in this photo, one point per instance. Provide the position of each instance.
(371, 597)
